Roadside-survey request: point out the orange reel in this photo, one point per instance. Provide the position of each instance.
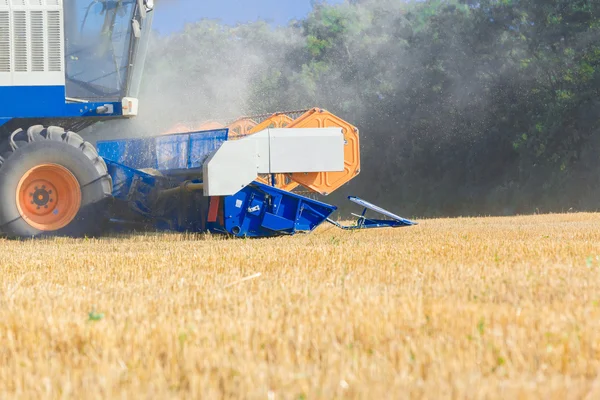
(241, 128)
(327, 182)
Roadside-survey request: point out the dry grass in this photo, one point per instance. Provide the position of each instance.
(467, 308)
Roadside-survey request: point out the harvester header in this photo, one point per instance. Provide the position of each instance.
(247, 183)
(322, 181)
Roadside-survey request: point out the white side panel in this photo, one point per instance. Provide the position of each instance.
(306, 150)
(5, 44)
(31, 43)
(130, 106)
(230, 168)
(38, 79)
(237, 163)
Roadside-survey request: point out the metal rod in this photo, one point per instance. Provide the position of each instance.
(193, 187)
(186, 186)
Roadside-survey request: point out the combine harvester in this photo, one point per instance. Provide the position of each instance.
(66, 67)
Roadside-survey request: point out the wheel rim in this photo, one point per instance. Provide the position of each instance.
(48, 197)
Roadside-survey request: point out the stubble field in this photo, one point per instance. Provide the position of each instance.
(462, 308)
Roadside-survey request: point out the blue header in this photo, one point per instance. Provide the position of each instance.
(164, 153)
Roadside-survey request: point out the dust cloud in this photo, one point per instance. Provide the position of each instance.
(457, 110)
(204, 73)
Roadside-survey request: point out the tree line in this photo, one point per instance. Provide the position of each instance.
(465, 107)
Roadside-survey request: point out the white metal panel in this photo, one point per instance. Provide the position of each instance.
(5, 37)
(237, 163)
(263, 150)
(20, 40)
(306, 150)
(55, 41)
(38, 79)
(31, 43)
(5, 44)
(230, 168)
(38, 42)
(130, 106)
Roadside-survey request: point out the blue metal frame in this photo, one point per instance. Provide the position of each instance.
(168, 153)
(363, 222)
(260, 210)
(47, 102)
(133, 186)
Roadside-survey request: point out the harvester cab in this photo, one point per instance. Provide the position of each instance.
(106, 43)
(66, 65)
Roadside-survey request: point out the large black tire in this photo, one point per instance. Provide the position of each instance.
(39, 145)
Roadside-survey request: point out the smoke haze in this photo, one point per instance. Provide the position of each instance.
(464, 107)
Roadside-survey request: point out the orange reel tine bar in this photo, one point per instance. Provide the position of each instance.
(241, 127)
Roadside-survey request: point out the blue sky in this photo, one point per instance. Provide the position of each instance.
(174, 14)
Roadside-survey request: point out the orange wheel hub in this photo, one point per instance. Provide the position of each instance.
(48, 197)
